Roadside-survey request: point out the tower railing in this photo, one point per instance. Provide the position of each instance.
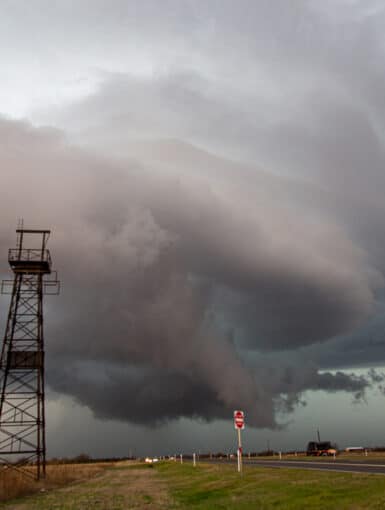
(29, 255)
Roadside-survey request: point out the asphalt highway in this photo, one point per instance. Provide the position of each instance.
(333, 465)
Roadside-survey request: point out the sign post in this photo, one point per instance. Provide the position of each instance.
(239, 424)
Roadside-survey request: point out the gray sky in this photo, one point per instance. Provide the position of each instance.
(213, 174)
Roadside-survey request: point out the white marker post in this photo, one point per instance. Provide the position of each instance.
(194, 460)
(239, 424)
(181, 458)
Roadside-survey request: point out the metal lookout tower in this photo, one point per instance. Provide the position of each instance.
(22, 413)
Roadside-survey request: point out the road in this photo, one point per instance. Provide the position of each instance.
(342, 466)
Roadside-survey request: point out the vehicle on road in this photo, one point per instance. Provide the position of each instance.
(150, 460)
(321, 448)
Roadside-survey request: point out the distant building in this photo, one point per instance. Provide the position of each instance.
(354, 449)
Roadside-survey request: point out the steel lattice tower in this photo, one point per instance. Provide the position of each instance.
(22, 409)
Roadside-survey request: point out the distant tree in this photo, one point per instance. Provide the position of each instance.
(82, 458)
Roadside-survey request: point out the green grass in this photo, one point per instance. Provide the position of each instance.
(221, 487)
(175, 486)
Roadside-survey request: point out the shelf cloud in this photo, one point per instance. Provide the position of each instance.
(171, 276)
(215, 190)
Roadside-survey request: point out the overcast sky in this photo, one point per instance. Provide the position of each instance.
(213, 174)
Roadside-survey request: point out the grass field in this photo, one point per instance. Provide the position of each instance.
(14, 484)
(170, 485)
(219, 486)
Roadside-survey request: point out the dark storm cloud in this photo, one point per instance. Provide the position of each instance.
(299, 89)
(151, 258)
(365, 346)
(152, 397)
(181, 267)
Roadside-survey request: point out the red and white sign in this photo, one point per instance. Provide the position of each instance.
(239, 420)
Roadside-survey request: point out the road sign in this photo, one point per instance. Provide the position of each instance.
(239, 420)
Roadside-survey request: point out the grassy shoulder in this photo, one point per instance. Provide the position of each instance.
(115, 487)
(171, 485)
(220, 486)
(14, 484)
